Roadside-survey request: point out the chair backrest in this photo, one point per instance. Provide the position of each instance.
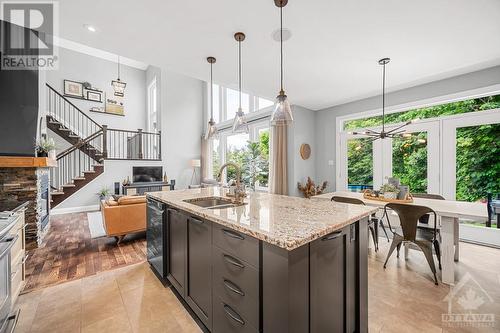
(348, 200)
(408, 217)
(428, 196)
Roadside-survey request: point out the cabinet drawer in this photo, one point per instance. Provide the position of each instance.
(236, 285)
(238, 244)
(228, 320)
(17, 248)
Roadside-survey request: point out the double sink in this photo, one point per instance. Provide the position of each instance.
(213, 202)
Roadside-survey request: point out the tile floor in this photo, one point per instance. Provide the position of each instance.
(402, 298)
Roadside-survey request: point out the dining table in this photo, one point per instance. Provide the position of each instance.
(448, 213)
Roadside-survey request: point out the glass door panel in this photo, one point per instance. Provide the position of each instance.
(409, 161)
(359, 164)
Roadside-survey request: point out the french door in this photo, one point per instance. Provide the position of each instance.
(413, 158)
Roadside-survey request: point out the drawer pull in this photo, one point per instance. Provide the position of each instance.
(233, 287)
(233, 315)
(233, 261)
(233, 234)
(331, 236)
(200, 222)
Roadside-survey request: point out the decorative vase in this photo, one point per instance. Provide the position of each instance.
(390, 195)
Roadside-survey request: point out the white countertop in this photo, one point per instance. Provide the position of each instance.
(287, 222)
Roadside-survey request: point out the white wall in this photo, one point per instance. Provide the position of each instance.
(301, 132)
(454, 87)
(99, 73)
(181, 125)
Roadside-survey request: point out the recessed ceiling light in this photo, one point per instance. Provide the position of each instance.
(287, 34)
(90, 28)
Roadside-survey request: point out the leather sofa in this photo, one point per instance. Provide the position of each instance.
(125, 216)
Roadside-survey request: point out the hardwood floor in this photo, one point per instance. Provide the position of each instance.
(402, 298)
(68, 253)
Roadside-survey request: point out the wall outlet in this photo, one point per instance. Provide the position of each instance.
(330, 162)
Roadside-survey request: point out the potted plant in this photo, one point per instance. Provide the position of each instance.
(390, 191)
(46, 148)
(103, 193)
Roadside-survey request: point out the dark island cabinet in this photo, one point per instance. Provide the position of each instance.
(199, 264)
(177, 251)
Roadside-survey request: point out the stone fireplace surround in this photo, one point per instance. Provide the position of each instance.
(21, 184)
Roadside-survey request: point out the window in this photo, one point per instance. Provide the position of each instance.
(226, 103)
(250, 151)
(152, 107)
(360, 164)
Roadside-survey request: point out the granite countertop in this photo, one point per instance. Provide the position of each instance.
(287, 222)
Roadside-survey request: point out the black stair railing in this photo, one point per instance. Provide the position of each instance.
(74, 162)
(70, 116)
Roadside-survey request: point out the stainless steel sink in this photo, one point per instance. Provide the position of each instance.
(212, 202)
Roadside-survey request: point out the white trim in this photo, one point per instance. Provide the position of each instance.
(59, 211)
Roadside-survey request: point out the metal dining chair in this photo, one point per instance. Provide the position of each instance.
(424, 239)
(425, 219)
(373, 222)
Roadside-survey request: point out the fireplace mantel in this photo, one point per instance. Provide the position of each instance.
(26, 162)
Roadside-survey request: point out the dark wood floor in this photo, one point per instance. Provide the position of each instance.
(69, 253)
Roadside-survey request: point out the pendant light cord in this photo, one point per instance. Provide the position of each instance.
(383, 100)
(211, 94)
(281, 46)
(239, 70)
(118, 68)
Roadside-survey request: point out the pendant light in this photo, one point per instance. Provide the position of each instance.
(394, 133)
(240, 124)
(282, 114)
(211, 132)
(118, 85)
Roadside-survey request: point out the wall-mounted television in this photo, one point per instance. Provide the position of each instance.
(147, 174)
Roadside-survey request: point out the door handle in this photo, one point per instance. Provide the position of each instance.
(233, 234)
(233, 315)
(11, 241)
(233, 261)
(333, 235)
(233, 287)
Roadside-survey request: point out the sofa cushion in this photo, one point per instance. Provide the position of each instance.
(132, 200)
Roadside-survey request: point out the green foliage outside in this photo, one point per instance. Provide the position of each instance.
(359, 162)
(477, 151)
(253, 159)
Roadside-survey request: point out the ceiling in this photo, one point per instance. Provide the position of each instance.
(331, 57)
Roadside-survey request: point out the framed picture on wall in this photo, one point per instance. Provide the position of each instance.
(94, 95)
(73, 89)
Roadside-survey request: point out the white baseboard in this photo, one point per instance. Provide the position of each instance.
(59, 211)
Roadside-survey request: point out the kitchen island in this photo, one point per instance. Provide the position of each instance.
(273, 264)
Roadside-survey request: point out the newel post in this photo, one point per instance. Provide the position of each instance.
(104, 141)
(141, 156)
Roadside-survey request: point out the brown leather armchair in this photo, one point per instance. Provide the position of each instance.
(125, 216)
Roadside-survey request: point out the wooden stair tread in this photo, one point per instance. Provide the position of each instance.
(69, 185)
(56, 193)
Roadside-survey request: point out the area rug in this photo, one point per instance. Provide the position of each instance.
(96, 225)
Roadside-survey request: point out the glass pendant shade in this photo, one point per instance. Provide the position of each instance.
(118, 87)
(240, 124)
(212, 132)
(282, 114)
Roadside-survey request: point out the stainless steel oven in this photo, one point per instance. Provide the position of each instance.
(6, 244)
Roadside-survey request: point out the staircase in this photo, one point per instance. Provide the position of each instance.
(83, 161)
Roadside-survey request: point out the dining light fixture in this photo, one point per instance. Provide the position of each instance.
(211, 132)
(393, 133)
(240, 124)
(118, 85)
(282, 114)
